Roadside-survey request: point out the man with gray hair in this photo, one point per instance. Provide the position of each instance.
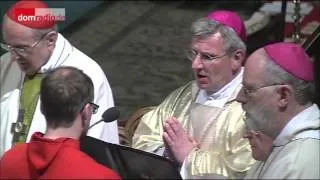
(278, 98)
(200, 125)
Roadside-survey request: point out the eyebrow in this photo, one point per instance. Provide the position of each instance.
(205, 53)
(17, 45)
(210, 54)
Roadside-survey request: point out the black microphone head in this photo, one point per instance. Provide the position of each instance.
(110, 114)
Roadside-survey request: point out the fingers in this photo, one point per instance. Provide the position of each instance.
(169, 131)
(175, 125)
(195, 143)
(168, 139)
(173, 131)
(191, 139)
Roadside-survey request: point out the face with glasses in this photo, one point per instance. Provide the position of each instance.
(95, 107)
(259, 100)
(88, 109)
(213, 67)
(27, 50)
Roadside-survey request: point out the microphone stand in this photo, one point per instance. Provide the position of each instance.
(95, 123)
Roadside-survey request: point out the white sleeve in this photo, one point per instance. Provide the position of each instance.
(107, 132)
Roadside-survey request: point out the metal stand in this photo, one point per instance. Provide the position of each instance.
(296, 16)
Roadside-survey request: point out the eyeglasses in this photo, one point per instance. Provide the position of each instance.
(22, 51)
(205, 57)
(247, 91)
(95, 107)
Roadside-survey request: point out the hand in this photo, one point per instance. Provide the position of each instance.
(177, 140)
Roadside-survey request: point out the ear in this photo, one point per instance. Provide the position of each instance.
(51, 39)
(86, 115)
(237, 59)
(285, 94)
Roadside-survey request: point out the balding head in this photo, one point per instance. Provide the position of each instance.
(13, 32)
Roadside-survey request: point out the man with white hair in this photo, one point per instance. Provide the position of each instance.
(278, 98)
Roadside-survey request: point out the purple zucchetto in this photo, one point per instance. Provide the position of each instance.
(232, 20)
(292, 58)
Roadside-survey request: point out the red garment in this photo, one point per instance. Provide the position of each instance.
(51, 159)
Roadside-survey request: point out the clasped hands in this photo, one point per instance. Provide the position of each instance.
(178, 142)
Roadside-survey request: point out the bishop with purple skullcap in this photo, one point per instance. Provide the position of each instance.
(292, 58)
(230, 19)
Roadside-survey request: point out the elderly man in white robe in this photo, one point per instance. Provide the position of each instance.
(277, 96)
(34, 47)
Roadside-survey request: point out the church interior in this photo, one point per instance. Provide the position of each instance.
(140, 44)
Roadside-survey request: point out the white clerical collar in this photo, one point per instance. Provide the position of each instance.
(221, 97)
(60, 53)
(298, 126)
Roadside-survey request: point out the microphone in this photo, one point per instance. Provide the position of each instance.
(109, 115)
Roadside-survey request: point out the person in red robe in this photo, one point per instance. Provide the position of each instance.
(66, 95)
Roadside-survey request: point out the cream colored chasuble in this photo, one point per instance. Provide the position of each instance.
(203, 123)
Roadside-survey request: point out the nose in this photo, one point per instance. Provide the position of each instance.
(197, 63)
(14, 55)
(247, 134)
